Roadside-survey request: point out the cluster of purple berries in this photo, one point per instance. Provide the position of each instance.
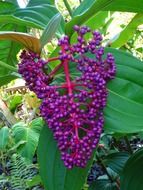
(73, 109)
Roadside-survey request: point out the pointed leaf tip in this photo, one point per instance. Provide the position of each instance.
(50, 29)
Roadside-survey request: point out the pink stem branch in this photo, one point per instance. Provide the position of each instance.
(53, 59)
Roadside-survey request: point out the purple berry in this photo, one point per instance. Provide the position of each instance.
(76, 115)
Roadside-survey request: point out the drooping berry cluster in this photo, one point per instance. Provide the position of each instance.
(73, 109)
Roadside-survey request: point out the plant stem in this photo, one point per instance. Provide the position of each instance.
(128, 145)
(67, 74)
(53, 59)
(68, 7)
(66, 69)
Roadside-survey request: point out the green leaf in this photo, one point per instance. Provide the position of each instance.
(36, 180)
(98, 20)
(123, 113)
(132, 174)
(82, 16)
(52, 170)
(52, 1)
(5, 65)
(128, 32)
(125, 6)
(38, 12)
(116, 161)
(5, 79)
(89, 8)
(14, 101)
(103, 184)
(13, 2)
(30, 134)
(28, 41)
(38, 2)
(4, 136)
(7, 7)
(118, 5)
(50, 30)
(10, 19)
(83, 7)
(15, 147)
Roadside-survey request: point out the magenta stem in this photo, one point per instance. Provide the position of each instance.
(53, 59)
(67, 74)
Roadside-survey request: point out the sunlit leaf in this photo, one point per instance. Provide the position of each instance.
(88, 8)
(128, 32)
(29, 134)
(28, 41)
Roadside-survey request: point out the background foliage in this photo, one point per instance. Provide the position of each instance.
(117, 161)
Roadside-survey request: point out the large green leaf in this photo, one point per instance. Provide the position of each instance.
(52, 171)
(29, 134)
(4, 135)
(118, 5)
(89, 8)
(132, 177)
(128, 32)
(116, 161)
(39, 12)
(123, 113)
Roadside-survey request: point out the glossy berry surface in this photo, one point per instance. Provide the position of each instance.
(73, 109)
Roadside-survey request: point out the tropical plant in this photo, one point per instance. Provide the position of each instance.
(20, 175)
(17, 150)
(124, 109)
